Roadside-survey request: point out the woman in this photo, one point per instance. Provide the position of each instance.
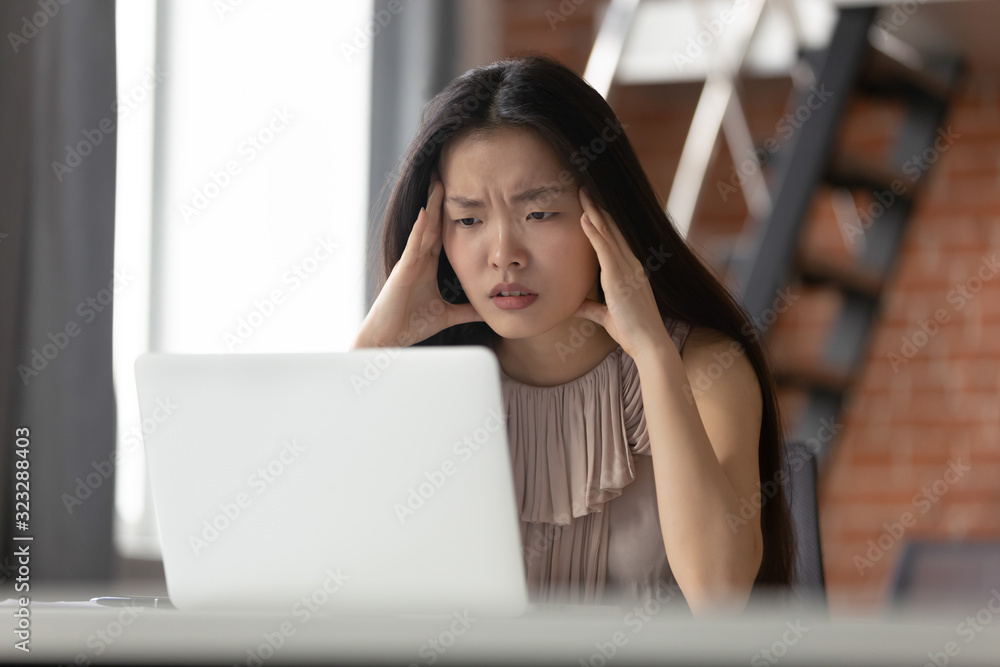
(542, 238)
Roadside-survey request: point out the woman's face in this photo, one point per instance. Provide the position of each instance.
(511, 214)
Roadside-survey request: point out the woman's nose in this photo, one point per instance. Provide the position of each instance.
(506, 247)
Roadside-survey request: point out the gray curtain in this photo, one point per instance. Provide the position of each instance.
(412, 61)
(57, 197)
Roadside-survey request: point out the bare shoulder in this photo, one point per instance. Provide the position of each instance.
(727, 394)
(718, 366)
(729, 400)
(703, 341)
(700, 337)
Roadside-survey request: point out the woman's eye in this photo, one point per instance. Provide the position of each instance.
(531, 215)
(466, 222)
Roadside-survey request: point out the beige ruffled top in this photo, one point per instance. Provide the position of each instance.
(584, 486)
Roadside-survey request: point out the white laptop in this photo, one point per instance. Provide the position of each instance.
(373, 481)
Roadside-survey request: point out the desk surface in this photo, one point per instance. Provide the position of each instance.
(84, 633)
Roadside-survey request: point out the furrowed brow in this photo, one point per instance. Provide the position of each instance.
(546, 192)
(464, 202)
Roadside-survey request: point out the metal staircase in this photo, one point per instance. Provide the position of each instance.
(860, 58)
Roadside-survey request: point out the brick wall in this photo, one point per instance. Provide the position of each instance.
(907, 423)
(936, 403)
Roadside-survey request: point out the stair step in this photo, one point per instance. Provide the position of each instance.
(886, 75)
(816, 270)
(811, 376)
(848, 171)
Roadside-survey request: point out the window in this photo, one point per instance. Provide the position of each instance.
(242, 194)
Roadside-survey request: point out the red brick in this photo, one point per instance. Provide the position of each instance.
(967, 196)
(975, 125)
(857, 484)
(901, 427)
(985, 447)
(977, 157)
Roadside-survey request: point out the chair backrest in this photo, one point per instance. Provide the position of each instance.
(800, 489)
(946, 574)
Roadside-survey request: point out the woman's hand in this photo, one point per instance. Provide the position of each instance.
(410, 307)
(631, 316)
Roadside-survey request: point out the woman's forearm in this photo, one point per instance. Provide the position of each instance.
(714, 565)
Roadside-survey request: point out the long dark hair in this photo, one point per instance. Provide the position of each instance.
(539, 93)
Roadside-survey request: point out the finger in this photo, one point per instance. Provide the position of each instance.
(590, 207)
(604, 222)
(595, 216)
(593, 311)
(412, 248)
(616, 232)
(462, 313)
(600, 243)
(609, 254)
(430, 241)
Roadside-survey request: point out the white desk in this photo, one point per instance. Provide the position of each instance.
(84, 633)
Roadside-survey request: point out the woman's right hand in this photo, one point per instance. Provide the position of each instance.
(410, 307)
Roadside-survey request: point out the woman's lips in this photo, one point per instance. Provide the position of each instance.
(513, 302)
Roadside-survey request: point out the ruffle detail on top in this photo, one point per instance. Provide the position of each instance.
(571, 445)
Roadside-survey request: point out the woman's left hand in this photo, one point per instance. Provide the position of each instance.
(631, 316)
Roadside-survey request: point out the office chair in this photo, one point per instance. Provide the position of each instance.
(936, 574)
(800, 466)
